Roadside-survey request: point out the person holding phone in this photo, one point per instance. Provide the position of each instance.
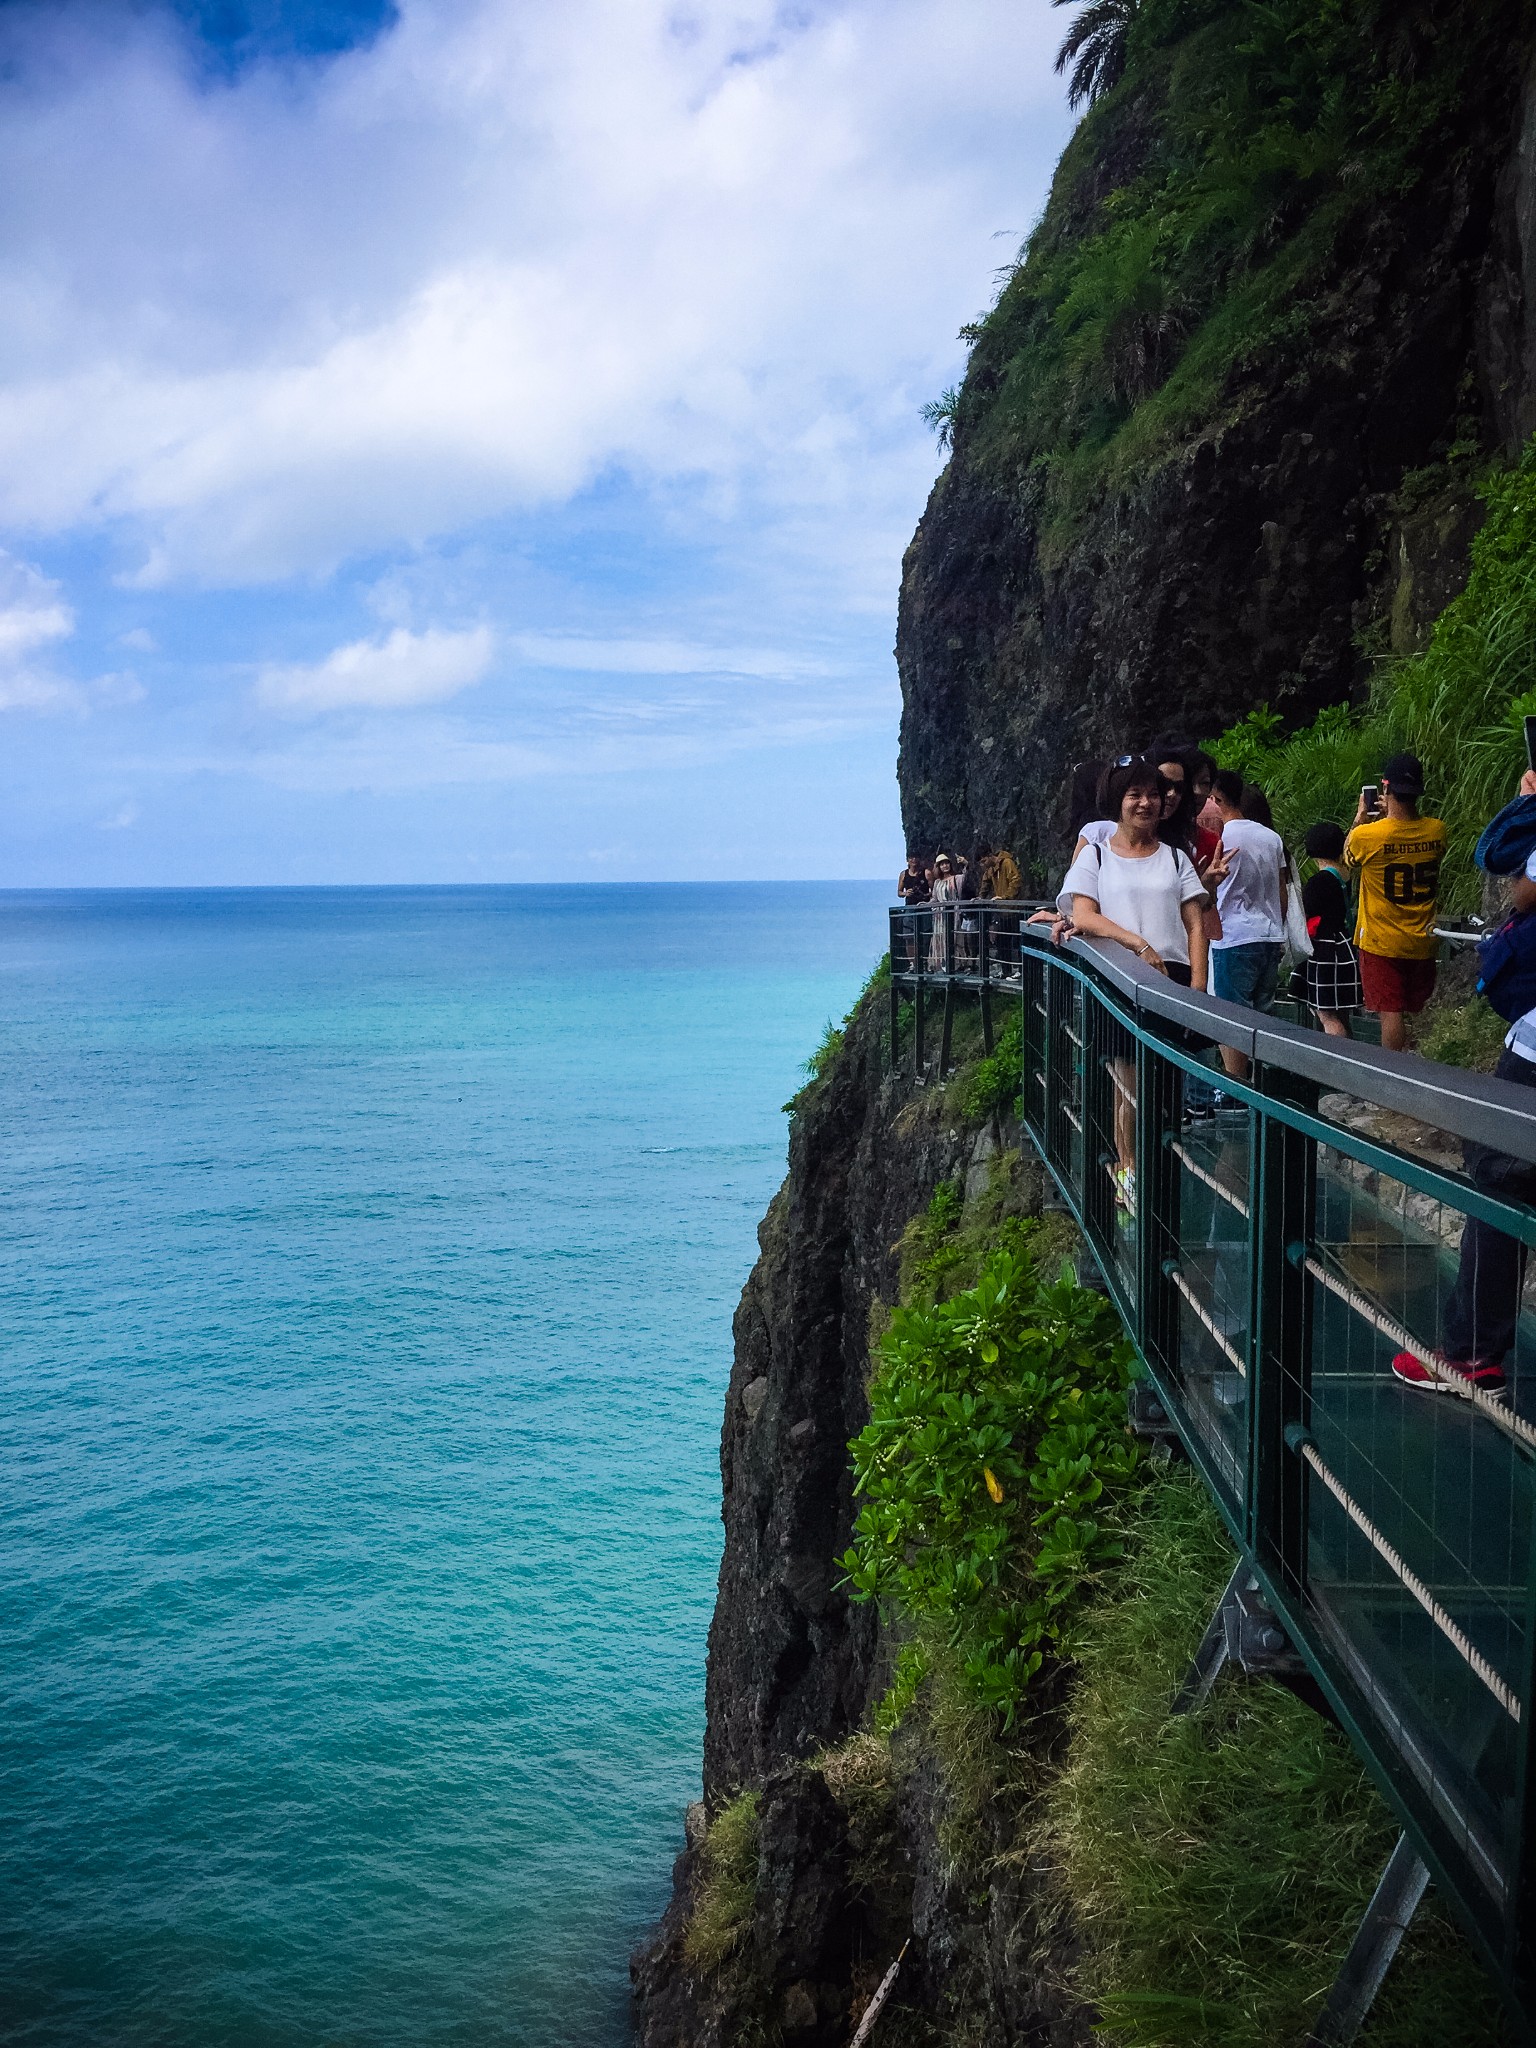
(1398, 856)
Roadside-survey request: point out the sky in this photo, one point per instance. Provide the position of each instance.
(475, 440)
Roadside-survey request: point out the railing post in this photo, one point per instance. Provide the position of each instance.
(1520, 1936)
(1281, 1227)
(901, 922)
(947, 1030)
(1032, 970)
(984, 962)
(1158, 1100)
(919, 1021)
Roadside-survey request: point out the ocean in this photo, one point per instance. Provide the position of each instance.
(369, 1260)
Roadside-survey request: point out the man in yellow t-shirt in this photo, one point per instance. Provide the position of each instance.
(1397, 857)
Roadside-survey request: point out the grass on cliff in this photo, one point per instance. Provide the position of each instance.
(834, 1040)
(1199, 213)
(1218, 1864)
(1458, 705)
(722, 1906)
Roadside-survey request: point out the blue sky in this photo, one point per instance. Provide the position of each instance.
(471, 439)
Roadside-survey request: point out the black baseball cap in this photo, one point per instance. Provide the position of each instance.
(1404, 775)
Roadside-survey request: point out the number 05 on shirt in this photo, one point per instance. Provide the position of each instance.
(1398, 860)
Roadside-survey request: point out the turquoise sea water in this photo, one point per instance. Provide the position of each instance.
(369, 1258)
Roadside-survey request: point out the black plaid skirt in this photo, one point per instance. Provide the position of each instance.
(1330, 980)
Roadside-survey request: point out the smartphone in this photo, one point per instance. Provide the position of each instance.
(1530, 741)
(1370, 792)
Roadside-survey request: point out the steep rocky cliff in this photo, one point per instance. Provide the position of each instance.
(1311, 511)
(846, 1868)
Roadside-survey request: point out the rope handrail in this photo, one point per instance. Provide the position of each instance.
(1187, 1159)
(1454, 1635)
(1217, 1336)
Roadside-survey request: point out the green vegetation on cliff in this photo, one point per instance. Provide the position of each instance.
(1458, 704)
(728, 1881)
(1205, 1874)
(997, 1423)
(1216, 1864)
(1197, 217)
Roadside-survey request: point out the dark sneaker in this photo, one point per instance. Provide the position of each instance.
(1486, 1374)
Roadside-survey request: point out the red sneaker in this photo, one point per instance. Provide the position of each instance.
(1486, 1374)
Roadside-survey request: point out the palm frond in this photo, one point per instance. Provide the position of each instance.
(1095, 47)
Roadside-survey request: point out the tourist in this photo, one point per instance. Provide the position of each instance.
(1142, 895)
(1256, 806)
(946, 894)
(1477, 1330)
(1330, 981)
(1178, 826)
(914, 885)
(1082, 798)
(1397, 857)
(1001, 880)
(1250, 900)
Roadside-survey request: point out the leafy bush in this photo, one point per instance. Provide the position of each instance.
(1458, 705)
(946, 1205)
(996, 1425)
(725, 1896)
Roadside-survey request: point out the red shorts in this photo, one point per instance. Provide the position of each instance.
(1396, 984)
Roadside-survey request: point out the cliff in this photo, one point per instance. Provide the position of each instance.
(1172, 497)
(847, 1862)
(1192, 469)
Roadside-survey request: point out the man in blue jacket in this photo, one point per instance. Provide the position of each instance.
(1477, 1331)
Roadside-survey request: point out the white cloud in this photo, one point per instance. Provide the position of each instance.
(393, 674)
(33, 615)
(586, 656)
(506, 250)
(120, 819)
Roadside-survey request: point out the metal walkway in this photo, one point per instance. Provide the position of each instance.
(1279, 1253)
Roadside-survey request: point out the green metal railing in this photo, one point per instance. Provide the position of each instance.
(1280, 1250)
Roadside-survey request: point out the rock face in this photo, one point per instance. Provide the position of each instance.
(1245, 569)
(791, 1665)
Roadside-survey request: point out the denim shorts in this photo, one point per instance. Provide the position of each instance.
(1247, 974)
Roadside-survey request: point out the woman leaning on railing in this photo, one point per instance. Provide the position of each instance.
(1130, 887)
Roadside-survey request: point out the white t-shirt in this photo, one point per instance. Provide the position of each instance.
(1097, 832)
(1249, 899)
(1143, 895)
(1521, 1036)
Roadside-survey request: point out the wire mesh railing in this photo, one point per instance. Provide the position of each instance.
(1272, 1243)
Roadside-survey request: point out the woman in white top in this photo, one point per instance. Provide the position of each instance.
(1144, 895)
